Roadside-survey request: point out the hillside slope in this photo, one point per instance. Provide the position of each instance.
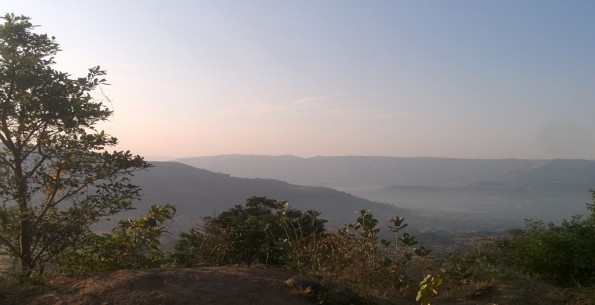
(197, 193)
(488, 194)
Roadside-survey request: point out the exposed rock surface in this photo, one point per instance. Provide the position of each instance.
(217, 285)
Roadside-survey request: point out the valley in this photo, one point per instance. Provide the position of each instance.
(441, 195)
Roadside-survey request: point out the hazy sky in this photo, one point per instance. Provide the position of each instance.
(467, 79)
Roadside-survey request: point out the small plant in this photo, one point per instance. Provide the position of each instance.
(478, 263)
(428, 289)
(396, 227)
(366, 231)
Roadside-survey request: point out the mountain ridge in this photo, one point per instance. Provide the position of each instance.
(357, 173)
(501, 191)
(198, 192)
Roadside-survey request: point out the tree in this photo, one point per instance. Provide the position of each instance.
(263, 230)
(56, 176)
(134, 243)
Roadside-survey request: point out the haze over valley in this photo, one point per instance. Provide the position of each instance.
(443, 195)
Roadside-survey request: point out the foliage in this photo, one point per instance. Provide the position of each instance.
(427, 289)
(134, 243)
(268, 231)
(56, 178)
(352, 261)
(356, 257)
(476, 264)
(397, 226)
(261, 231)
(562, 253)
(584, 296)
(364, 234)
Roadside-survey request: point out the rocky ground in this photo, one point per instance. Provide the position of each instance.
(237, 286)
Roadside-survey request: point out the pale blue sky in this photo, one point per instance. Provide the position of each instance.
(466, 79)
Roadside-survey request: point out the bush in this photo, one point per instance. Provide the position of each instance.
(563, 253)
(262, 231)
(478, 263)
(134, 243)
(267, 231)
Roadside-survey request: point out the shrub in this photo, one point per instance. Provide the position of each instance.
(562, 253)
(134, 243)
(478, 263)
(262, 231)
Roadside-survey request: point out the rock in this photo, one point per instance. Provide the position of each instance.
(302, 282)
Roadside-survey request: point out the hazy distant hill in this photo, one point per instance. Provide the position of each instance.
(197, 192)
(361, 173)
(570, 172)
(547, 202)
(503, 192)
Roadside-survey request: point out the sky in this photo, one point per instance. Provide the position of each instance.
(457, 79)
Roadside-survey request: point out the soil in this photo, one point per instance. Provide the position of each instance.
(238, 286)
(213, 285)
(513, 293)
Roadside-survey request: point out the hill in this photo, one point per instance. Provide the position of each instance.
(357, 173)
(494, 194)
(198, 192)
(501, 205)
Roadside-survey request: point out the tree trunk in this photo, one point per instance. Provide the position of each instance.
(26, 256)
(25, 220)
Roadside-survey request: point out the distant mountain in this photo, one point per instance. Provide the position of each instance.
(366, 173)
(547, 202)
(450, 194)
(493, 193)
(570, 172)
(198, 192)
